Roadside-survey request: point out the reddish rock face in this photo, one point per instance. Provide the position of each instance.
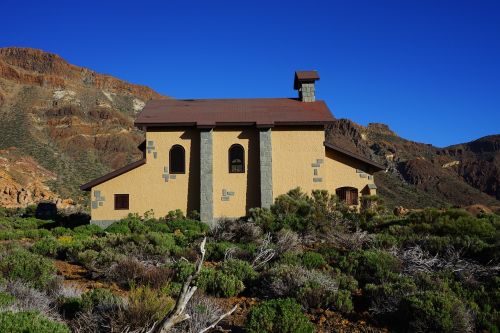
(422, 175)
(67, 119)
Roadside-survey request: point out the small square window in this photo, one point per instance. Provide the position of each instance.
(121, 201)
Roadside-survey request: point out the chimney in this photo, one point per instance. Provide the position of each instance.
(304, 83)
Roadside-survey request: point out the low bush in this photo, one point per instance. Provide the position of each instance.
(129, 271)
(29, 267)
(435, 312)
(88, 230)
(375, 266)
(99, 298)
(146, 306)
(190, 228)
(217, 250)
(311, 288)
(6, 299)
(47, 247)
(312, 260)
(278, 316)
(240, 269)
(29, 322)
(218, 283)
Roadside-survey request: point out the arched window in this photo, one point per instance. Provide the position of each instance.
(177, 159)
(349, 195)
(236, 159)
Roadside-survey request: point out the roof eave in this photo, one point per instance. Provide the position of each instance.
(373, 164)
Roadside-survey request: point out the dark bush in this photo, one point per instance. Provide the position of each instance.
(435, 312)
(278, 316)
(376, 266)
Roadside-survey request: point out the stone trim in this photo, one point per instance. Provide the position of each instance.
(102, 223)
(206, 176)
(150, 147)
(99, 200)
(266, 167)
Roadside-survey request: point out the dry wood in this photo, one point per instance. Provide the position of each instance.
(178, 314)
(212, 326)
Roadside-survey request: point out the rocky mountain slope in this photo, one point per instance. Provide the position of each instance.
(70, 123)
(61, 125)
(420, 175)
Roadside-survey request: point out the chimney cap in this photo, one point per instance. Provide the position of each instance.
(304, 77)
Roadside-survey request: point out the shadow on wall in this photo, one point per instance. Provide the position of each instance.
(193, 199)
(253, 169)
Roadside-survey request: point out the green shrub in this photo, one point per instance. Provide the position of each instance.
(162, 243)
(183, 269)
(434, 312)
(240, 269)
(146, 304)
(46, 247)
(218, 283)
(6, 299)
(92, 259)
(88, 230)
(375, 266)
(98, 298)
(217, 250)
(190, 228)
(29, 267)
(313, 260)
(290, 258)
(264, 218)
(385, 299)
(29, 322)
(278, 316)
(61, 231)
(312, 288)
(119, 227)
(157, 226)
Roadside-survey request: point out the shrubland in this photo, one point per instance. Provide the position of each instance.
(431, 270)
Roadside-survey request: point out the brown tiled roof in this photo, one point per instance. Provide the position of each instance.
(88, 186)
(304, 76)
(228, 112)
(375, 165)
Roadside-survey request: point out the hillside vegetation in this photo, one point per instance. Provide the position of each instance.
(307, 264)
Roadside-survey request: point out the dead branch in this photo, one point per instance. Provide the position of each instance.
(212, 326)
(178, 314)
(264, 253)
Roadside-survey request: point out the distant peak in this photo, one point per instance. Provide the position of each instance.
(380, 128)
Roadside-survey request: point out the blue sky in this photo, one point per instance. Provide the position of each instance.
(428, 69)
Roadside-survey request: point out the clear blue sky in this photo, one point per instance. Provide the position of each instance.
(428, 69)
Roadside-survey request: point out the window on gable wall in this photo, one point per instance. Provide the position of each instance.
(121, 201)
(236, 159)
(177, 159)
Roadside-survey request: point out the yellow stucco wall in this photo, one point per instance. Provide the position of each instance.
(298, 155)
(342, 172)
(145, 185)
(294, 151)
(242, 189)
